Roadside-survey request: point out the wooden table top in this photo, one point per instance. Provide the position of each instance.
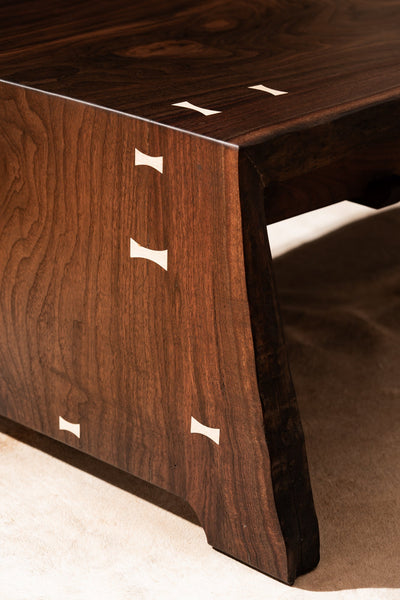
(331, 57)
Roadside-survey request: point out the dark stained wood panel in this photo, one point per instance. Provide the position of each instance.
(130, 353)
(331, 57)
(139, 318)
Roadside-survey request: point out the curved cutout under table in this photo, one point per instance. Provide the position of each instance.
(139, 316)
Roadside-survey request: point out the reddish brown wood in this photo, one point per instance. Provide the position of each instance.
(127, 350)
(355, 157)
(332, 57)
(131, 351)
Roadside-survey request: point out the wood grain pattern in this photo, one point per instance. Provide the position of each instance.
(127, 350)
(331, 57)
(135, 353)
(312, 167)
(283, 430)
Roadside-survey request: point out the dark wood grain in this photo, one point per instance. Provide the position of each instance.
(311, 167)
(127, 350)
(283, 430)
(121, 346)
(141, 57)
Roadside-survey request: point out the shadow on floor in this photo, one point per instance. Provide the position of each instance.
(96, 467)
(340, 302)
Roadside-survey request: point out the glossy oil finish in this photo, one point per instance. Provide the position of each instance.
(143, 57)
(97, 341)
(139, 317)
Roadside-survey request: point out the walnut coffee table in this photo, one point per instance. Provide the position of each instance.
(144, 147)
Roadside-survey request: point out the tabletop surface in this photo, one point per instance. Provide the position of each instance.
(330, 57)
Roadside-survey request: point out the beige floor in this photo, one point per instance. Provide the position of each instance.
(75, 529)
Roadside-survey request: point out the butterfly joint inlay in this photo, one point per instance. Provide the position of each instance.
(156, 162)
(157, 256)
(205, 111)
(210, 432)
(73, 428)
(263, 88)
